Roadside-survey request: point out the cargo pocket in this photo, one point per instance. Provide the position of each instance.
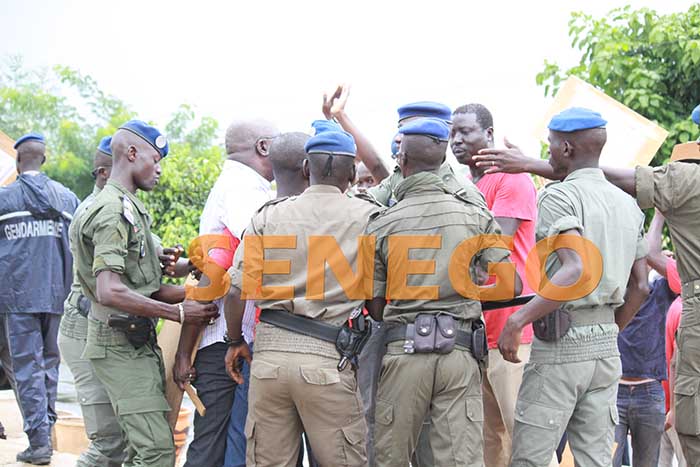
(320, 376)
(352, 450)
(687, 405)
(144, 421)
(250, 441)
(536, 434)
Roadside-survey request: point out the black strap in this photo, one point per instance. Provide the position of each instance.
(398, 333)
(521, 300)
(299, 324)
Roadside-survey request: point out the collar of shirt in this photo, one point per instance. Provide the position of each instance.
(330, 189)
(132, 197)
(590, 172)
(245, 171)
(416, 184)
(31, 172)
(96, 190)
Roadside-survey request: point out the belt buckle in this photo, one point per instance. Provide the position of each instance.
(408, 346)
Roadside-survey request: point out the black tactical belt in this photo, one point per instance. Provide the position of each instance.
(398, 333)
(299, 324)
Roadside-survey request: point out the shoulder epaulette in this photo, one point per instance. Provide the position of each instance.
(272, 202)
(366, 196)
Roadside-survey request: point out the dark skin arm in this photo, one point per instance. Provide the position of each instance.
(656, 259)
(570, 271)
(334, 107)
(169, 294)
(637, 291)
(113, 293)
(622, 178)
(183, 370)
(234, 307)
(511, 160)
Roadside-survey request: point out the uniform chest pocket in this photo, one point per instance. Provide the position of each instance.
(135, 256)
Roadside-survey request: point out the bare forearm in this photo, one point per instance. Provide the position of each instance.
(117, 295)
(182, 267)
(188, 337)
(234, 308)
(622, 178)
(540, 167)
(633, 300)
(365, 151)
(169, 294)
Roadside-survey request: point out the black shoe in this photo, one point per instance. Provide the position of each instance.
(36, 456)
(2, 432)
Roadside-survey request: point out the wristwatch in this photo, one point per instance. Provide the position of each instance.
(232, 342)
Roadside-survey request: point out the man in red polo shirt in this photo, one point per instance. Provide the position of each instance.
(512, 198)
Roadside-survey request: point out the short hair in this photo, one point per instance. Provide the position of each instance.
(483, 116)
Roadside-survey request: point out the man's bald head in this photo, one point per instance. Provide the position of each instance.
(31, 155)
(574, 150)
(287, 157)
(287, 152)
(135, 162)
(101, 160)
(123, 140)
(248, 142)
(420, 153)
(102, 168)
(242, 135)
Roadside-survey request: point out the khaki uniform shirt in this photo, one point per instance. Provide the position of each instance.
(321, 210)
(427, 207)
(385, 192)
(114, 234)
(610, 219)
(674, 189)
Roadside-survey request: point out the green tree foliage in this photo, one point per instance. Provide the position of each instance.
(74, 114)
(189, 171)
(645, 60)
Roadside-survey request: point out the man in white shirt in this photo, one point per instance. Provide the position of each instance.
(242, 187)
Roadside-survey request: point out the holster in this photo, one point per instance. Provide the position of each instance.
(139, 330)
(84, 306)
(351, 339)
(553, 326)
(480, 345)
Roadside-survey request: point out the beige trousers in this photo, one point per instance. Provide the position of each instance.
(291, 393)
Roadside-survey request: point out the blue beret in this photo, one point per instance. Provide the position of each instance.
(30, 137)
(426, 109)
(330, 139)
(394, 147)
(430, 127)
(105, 146)
(149, 134)
(576, 119)
(696, 115)
(325, 125)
